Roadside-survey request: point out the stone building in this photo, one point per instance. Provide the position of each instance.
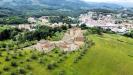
(72, 40)
(65, 46)
(29, 27)
(79, 41)
(31, 20)
(45, 46)
(44, 20)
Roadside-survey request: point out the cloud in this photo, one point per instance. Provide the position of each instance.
(109, 1)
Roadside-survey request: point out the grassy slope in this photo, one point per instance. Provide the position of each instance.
(108, 57)
(111, 55)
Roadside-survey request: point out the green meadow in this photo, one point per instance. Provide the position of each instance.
(110, 55)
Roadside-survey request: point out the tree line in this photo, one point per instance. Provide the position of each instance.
(41, 32)
(13, 20)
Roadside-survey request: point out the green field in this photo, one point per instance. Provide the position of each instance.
(111, 55)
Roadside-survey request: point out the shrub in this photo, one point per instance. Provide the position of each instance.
(61, 59)
(82, 54)
(76, 60)
(20, 54)
(65, 57)
(80, 57)
(14, 64)
(58, 61)
(0, 72)
(28, 67)
(41, 61)
(6, 68)
(64, 53)
(7, 58)
(56, 51)
(50, 66)
(33, 56)
(14, 56)
(62, 72)
(0, 53)
(28, 60)
(21, 62)
(43, 53)
(30, 73)
(55, 64)
(21, 71)
(14, 73)
(50, 55)
(60, 55)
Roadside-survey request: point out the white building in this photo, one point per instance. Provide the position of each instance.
(31, 20)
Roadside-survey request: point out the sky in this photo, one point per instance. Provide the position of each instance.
(126, 1)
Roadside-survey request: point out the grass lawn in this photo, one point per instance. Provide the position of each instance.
(111, 55)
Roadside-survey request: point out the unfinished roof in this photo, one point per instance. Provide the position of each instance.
(43, 41)
(47, 45)
(79, 38)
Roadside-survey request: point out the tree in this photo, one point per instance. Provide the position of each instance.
(14, 20)
(83, 26)
(129, 34)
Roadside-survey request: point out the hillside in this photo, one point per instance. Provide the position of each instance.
(52, 7)
(111, 55)
(66, 4)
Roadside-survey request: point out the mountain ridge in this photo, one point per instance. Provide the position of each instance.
(50, 7)
(74, 4)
